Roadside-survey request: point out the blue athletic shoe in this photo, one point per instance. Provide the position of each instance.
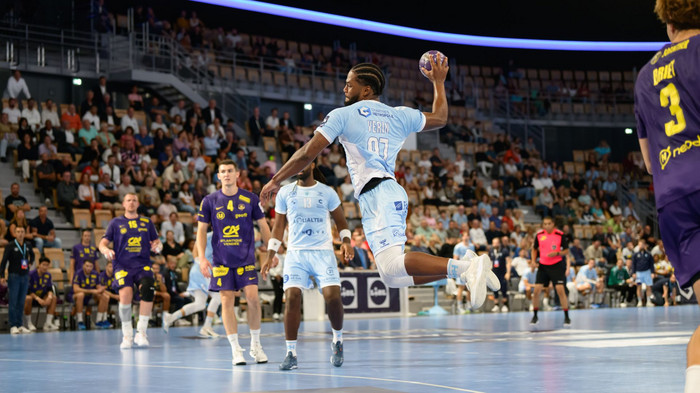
(81, 326)
(104, 324)
(289, 363)
(337, 357)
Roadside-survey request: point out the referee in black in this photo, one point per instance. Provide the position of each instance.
(18, 259)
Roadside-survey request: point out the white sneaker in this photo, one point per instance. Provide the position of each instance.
(183, 322)
(31, 326)
(48, 327)
(166, 321)
(495, 308)
(460, 309)
(504, 308)
(127, 342)
(238, 357)
(258, 354)
(639, 303)
(207, 331)
(650, 303)
(141, 340)
(276, 316)
(56, 323)
(24, 330)
(475, 278)
(14, 330)
(623, 305)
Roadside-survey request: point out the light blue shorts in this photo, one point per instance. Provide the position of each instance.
(300, 265)
(384, 210)
(644, 277)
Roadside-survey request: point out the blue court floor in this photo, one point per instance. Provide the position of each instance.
(605, 350)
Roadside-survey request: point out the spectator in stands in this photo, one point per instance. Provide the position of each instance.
(620, 280)
(212, 112)
(17, 261)
(178, 298)
(105, 138)
(16, 85)
(576, 253)
(150, 190)
(15, 202)
(58, 137)
(46, 177)
(8, 137)
(31, 113)
(477, 235)
(172, 250)
(156, 108)
(642, 265)
(84, 287)
(86, 193)
(87, 133)
(602, 150)
(178, 109)
(272, 123)
(67, 195)
(143, 138)
(107, 191)
(88, 103)
(12, 111)
(166, 207)
(161, 292)
(158, 124)
(595, 252)
(100, 89)
(41, 294)
(129, 120)
(125, 187)
(27, 155)
(71, 118)
(588, 283)
(528, 280)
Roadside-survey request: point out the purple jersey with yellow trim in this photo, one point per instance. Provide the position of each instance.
(667, 107)
(231, 219)
(106, 281)
(39, 284)
(86, 281)
(132, 241)
(83, 253)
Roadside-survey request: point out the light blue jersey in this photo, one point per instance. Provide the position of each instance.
(461, 249)
(197, 281)
(307, 210)
(372, 134)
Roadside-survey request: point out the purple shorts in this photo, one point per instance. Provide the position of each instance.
(130, 276)
(70, 295)
(679, 223)
(226, 278)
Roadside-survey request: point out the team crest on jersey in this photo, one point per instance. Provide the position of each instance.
(364, 111)
(241, 206)
(122, 231)
(220, 215)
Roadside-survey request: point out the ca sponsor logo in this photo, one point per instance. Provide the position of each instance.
(231, 231)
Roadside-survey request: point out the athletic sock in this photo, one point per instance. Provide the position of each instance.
(292, 347)
(233, 340)
(79, 317)
(254, 337)
(142, 325)
(125, 316)
(692, 378)
(49, 319)
(27, 319)
(100, 317)
(208, 321)
(337, 336)
(456, 267)
(535, 310)
(566, 313)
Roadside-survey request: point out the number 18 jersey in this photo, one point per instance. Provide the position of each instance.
(667, 107)
(372, 134)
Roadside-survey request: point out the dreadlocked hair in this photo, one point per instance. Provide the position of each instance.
(371, 75)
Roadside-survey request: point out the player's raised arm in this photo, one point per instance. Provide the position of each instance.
(294, 165)
(437, 75)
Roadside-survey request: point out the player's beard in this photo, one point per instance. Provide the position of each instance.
(351, 100)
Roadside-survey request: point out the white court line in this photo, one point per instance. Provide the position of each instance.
(244, 370)
(634, 342)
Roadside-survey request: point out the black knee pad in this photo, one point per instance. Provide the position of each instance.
(147, 289)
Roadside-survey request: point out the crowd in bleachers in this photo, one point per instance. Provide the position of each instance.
(83, 157)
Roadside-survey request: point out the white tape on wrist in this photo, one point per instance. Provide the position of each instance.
(273, 245)
(345, 233)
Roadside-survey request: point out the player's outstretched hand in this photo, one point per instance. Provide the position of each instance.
(348, 252)
(109, 254)
(439, 70)
(205, 267)
(269, 192)
(267, 264)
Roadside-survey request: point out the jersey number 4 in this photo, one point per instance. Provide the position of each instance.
(670, 98)
(378, 146)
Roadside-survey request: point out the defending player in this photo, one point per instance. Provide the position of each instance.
(231, 212)
(198, 287)
(667, 107)
(134, 238)
(372, 134)
(305, 205)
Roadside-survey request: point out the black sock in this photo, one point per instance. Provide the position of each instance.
(566, 313)
(535, 311)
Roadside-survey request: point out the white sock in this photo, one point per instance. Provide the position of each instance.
(27, 319)
(207, 321)
(142, 325)
(455, 267)
(292, 347)
(101, 316)
(49, 319)
(337, 335)
(125, 316)
(254, 337)
(79, 317)
(692, 379)
(233, 340)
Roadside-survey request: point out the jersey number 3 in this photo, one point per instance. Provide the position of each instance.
(670, 98)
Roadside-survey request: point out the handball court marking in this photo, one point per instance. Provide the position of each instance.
(389, 380)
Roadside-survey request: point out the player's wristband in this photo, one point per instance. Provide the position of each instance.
(344, 234)
(273, 244)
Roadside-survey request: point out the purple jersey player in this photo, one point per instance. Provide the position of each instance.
(84, 286)
(134, 237)
(41, 294)
(231, 212)
(81, 252)
(667, 106)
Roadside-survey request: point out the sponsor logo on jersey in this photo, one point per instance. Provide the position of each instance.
(134, 242)
(244, 198)
(364, 111)
(122, 231)
(239, 271)
(220, 271)
(231, 231)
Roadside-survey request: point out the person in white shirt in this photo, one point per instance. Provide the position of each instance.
(478, 236)
(173, 224)
(128, 120)
(32, 114)
(93, 117)
(218, 130)
(17, 85)
(13, 112)
(112, 169)
(178, 109)
(50, 112)
(272, 123)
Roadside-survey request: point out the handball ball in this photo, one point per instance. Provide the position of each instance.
(425, 60)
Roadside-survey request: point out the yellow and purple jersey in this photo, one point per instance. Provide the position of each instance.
(132, 239)
(39, 285)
